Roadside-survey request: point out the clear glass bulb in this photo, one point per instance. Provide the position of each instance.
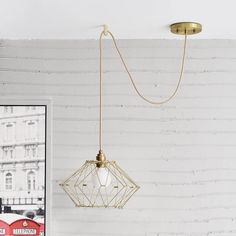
(101, 177)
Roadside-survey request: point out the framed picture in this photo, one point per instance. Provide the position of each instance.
(25, 162)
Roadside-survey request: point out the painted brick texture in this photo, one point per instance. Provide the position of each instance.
(182, 154)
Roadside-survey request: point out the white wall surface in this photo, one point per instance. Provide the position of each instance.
(182, 154)
(131, 19)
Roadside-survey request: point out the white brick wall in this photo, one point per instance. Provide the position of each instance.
(182, 154)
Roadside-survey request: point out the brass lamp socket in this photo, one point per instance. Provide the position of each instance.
(101, 158)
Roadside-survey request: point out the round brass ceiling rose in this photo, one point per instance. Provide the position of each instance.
(187, 28)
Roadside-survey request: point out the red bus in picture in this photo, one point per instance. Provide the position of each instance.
(18, 225)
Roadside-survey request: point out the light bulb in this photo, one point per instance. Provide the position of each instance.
(101, 177)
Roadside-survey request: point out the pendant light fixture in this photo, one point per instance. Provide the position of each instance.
(103, 183)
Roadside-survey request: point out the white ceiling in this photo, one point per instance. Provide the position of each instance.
(129, 19)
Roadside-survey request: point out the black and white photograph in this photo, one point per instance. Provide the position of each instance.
(22, 169)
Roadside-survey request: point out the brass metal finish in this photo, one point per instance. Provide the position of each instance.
(101, 158)
(83, 192)
(186, 28)
(102, 183)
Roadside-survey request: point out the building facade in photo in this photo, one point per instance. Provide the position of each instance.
(22, 157)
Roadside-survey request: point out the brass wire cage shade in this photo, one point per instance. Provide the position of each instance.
(102, 183)
(106, 186)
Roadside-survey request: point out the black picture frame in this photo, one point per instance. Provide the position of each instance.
(46, 104)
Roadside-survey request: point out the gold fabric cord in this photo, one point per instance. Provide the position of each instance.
(103, 33)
